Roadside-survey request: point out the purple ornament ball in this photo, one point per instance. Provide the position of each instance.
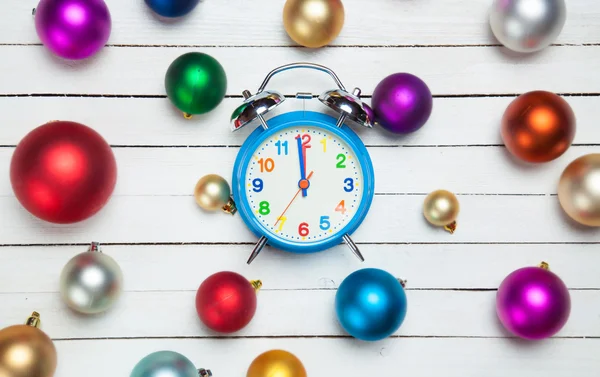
(402, 103)
(73, 29)
(533, 303)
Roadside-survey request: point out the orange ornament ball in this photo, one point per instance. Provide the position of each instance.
(538, 126)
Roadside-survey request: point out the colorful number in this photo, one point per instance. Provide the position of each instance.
(267, 165)
(341, 207)
(281, 221)
(303, 229)
(324, 223)
(349, 182)
(279, 144)
(324, 142)
(263, 208)
(305, 140)
(341, 158)
(258, 185)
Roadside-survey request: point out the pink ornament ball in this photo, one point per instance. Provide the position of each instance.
(73, 29)
(533, 303)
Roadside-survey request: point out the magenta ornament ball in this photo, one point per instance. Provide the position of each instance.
(533, 303)
(73, 29)
(402, 103)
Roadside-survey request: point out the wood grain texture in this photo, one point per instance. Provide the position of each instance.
(473, 70)
(259, 23)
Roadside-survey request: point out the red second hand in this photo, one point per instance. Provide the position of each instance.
(294, 198)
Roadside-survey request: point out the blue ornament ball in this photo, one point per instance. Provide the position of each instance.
(165, 363)
(172, 8)
(370, 304)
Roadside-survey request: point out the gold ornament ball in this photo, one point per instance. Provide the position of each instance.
(212, 192)
(276, 363)
(579, 190)
(26, 351)
(441, 208)
(313, 23)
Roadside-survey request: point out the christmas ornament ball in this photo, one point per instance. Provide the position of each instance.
(196, 83)
(164, 364)
(212, 192)
(370, 304)
(402, 103)
(579, 190)
(63, 172)
(226, 301)
(313, 23)
(276, 363)
(441, 208)
(538, 127)
(527, 25)
(172, 8)
(73, 29)
(26, 351)
(533, 303)
(91, 282)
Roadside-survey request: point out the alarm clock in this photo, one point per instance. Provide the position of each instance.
(303, 182)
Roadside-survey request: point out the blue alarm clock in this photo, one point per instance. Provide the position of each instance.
(303, 182)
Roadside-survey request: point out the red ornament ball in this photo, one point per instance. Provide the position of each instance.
(63, 172)
(226, 301)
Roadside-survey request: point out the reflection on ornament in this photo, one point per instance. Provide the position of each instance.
(196, 83)
(226, 301)
(538, 126)
(172, 8)
(167, 364)
(313, 23)
(533, 303)
(212, 192)
(73, 29)
(370, 304)
(26, 351)
(441, 208)
(63, 172)
(402, 103)
(527, 25)
(91, 282)
(579, 190)
(276, 363)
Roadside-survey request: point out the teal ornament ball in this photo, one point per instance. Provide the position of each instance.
(370, 304)
(196, 83)
(165, 364)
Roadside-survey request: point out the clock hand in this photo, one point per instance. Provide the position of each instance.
(301, 154)
(303, 182)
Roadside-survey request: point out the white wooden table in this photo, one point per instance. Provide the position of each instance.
(166, 246)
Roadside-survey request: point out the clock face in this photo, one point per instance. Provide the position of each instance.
(304, 184)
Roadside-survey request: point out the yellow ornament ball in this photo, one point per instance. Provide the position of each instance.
(276, 363)
(313, 23)
(441, 209)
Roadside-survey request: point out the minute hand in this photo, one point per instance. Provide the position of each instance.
(302, 167)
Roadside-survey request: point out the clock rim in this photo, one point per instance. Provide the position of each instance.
(292, 119)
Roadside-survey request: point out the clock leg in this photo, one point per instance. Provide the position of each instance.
(353, 247)
(257, 249)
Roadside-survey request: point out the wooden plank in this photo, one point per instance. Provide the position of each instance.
(392, 218)
(300, 313)
(140, 71)
(138, 121)
(259, 22)
(487, 170)
(346, 357)
(183, 267)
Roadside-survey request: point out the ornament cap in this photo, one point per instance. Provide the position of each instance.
(256, 284)
(204, 372)
(230, 207)
(402, 282)
(545, 266)
(95, 247)
(34, 320)
(451, 228)
(187, 116)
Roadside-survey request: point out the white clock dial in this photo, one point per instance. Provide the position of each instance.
(276, 190)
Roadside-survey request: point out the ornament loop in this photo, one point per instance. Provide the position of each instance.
(34, 320)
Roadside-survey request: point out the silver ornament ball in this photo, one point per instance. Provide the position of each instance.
(527, 25)
(167, 364)
(91, 282)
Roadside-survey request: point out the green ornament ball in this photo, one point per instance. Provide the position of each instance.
(196, 83)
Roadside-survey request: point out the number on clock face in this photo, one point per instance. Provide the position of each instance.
(300, 160)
